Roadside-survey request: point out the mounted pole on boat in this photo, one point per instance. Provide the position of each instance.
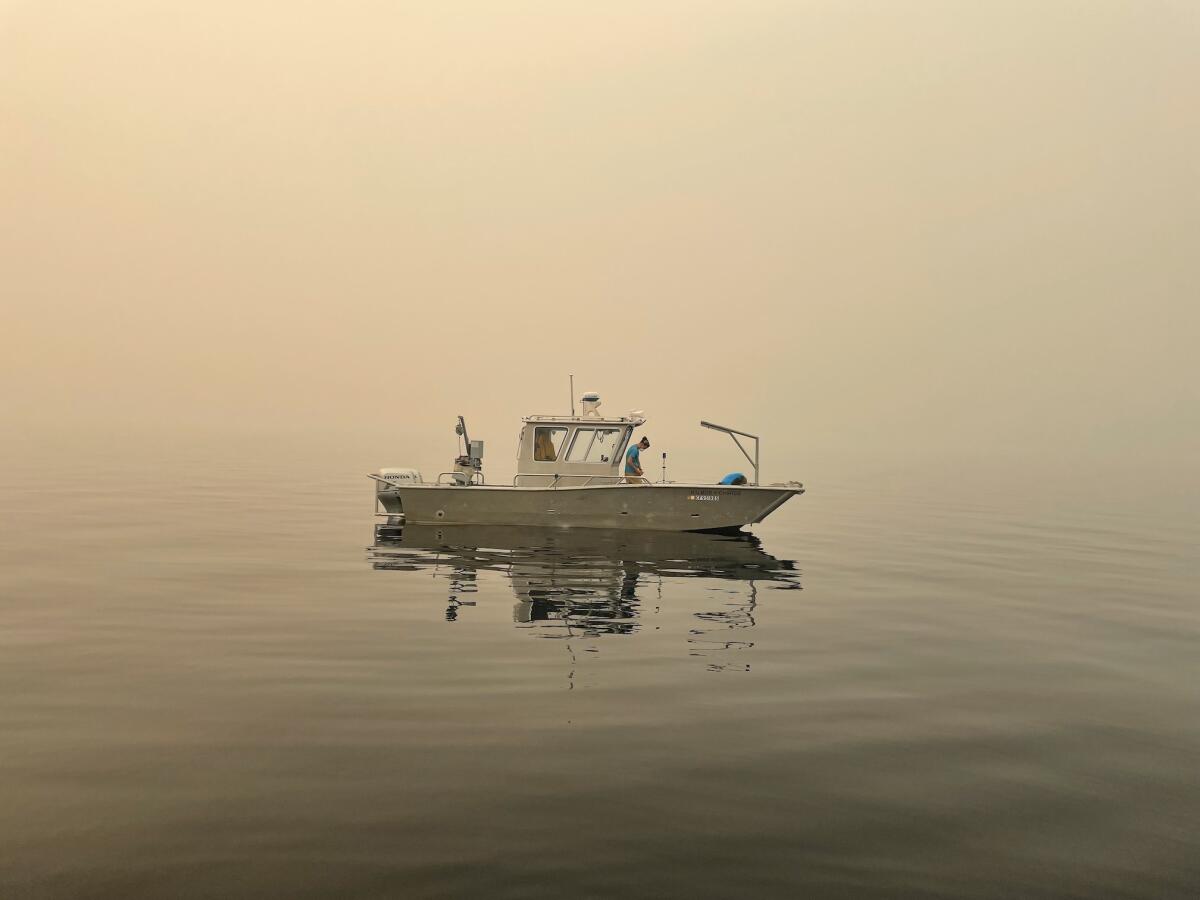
(572, 377)
(664, 478)
(461, 430)
(733, 433)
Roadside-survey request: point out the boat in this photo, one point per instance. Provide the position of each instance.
(570, 473)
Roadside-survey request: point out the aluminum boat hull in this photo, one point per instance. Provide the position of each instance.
(654, 507)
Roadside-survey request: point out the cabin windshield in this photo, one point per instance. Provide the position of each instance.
(594, 445)
(547, 443)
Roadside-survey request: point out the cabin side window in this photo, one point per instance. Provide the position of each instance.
(547, 442)
(594, 445)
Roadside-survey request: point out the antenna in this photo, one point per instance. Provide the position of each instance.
(664, 478)
(572, 377)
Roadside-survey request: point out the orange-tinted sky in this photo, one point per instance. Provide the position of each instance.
(921, 225)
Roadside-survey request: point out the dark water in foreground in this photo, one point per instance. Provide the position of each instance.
(225, 684)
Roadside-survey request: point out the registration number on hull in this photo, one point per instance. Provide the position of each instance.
(704, 497)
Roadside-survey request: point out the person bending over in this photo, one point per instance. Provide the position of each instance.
(633, 462)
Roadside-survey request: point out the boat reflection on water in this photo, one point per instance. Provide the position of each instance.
(593, 582)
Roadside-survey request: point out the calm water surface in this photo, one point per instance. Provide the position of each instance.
(220, 679)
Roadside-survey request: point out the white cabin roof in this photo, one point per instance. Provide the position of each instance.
(635, 421)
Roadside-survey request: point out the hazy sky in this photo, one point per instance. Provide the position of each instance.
(921, 225)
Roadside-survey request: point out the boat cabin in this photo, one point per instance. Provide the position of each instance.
(574, 451)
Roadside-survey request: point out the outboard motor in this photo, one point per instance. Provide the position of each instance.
(386, 483)
(397, 477)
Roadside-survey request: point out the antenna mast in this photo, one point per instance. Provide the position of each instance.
(572, 377)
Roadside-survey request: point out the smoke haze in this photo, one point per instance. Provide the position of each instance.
(915, 229)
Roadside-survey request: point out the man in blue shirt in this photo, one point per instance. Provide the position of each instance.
(633, 460)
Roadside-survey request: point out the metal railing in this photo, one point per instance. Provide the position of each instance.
(557, 476)
(588, 420)
(457, 475)
(733, 433)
